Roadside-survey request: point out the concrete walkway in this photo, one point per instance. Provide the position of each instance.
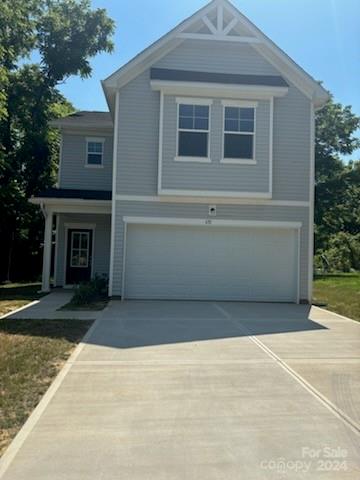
(200, 390)
(48, 308)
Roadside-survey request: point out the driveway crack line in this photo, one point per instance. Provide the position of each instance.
(337, 412)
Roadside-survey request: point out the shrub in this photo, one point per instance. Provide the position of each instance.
(92, 291)
(341, 255)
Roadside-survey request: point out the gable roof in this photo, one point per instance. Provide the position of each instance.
(84, 119)
(218, 20)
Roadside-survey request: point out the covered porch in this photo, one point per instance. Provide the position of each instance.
(81, 220)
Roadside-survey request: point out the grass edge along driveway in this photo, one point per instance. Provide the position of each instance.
(340, 293)
(32, 352)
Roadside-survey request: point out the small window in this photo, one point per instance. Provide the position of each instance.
(193, 134)
(239, 133)
(80, 249)
(95, 151)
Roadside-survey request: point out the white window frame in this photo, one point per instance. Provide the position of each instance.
(87, 234)
(240, 161)
(192, 101)
(94, 140)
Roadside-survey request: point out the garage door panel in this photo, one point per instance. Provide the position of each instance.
(202, 263)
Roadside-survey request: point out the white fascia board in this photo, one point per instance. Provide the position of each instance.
(218, 37)
(68, 205)
(210, 222)
(281, 56)
(211, 200)
(169, 87)
(145, 56)
(214, 193)
(265, 46)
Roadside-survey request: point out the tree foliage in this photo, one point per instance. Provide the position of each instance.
(337, 184)
(65, 34)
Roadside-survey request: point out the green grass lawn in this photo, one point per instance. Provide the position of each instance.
(31, 354)
(340, 293)
(16, 295)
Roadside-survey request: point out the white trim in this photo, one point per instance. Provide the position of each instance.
(239, 103)
(218, 37)
(113, 202)
(60, 159)
(220, 18)
(45, 279)
(101, 155)
(58, 205)
(57, 202)
(94, 165)
(213, 193)
(312, 204)
(87, 234)
(260, 41)
(210, 199)
(271, 145)
(298, 266)
(194, 101)
(161, 139)
(232, 24)
(56, 257)
(238, 161)
(193, 159)
(80, 226)
(208, 89)
(209, 24)
(206, 222)
(123, 273)
(95, 139)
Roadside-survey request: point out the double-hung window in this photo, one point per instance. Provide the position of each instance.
(239, 133)
(95, 152)
(193, 132)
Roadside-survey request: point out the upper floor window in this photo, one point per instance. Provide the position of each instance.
(239, 133)
(95, 152)
(193, 132)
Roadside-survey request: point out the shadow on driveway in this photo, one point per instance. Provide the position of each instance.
(134, 324)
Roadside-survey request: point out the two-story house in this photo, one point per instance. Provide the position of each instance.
(199, 182)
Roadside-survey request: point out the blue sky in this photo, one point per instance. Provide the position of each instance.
(323, 36)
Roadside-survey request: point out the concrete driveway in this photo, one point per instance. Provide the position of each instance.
(200, 390)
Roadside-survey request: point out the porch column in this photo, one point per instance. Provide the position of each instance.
(45, 287)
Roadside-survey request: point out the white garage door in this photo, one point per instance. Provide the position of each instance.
(211, 263)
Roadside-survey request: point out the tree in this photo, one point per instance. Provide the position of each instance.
(66, 34)
(337, 184)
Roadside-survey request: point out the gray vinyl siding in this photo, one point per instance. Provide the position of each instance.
(215, 175)
(139, 132)
(226, 212)
(219, 57)
(73, 170)
(137, 156)
(101, 247)
(291, 154)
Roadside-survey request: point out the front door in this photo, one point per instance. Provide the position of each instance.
(79, 255)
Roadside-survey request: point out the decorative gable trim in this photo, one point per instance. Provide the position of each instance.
(219, 21)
